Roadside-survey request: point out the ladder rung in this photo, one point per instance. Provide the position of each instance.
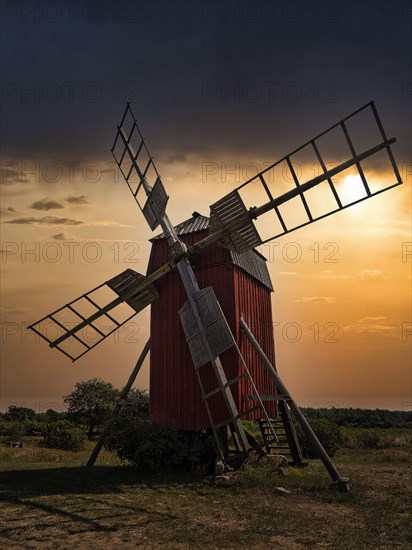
(237, 378)
(217, 390)
(213, 392)
(221, 424)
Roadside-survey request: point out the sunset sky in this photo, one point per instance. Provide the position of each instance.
(221, 90)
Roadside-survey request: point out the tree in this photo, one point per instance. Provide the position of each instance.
(20, 414)
(91, 402)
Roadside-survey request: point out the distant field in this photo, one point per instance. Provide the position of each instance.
(47, 500)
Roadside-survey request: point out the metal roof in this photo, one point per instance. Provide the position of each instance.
(196, 223)
(251, 261)
(255, 264)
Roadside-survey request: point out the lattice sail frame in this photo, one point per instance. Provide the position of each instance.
(138, 169)
(268, 186)
(82, 324)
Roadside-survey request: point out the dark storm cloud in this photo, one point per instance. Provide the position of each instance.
(80, 200)
(203, 77)
(45, 220)
(46, 204)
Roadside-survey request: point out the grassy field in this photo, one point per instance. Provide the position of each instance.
(48, 500)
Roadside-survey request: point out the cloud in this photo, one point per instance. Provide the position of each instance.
(107, 223)
(178, 157)
(81, 199)
(61, 237)
(316, 300)
(9, 176)
(45, 220)
(54, 220)
(7, 211)
(372, 319)
(13, 312)
(370, 273)
(392, 226)
(46, 204)
(371, 325)
(287, 272)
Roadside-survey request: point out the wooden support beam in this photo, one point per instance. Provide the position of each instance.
(119, 405)
(342, 482)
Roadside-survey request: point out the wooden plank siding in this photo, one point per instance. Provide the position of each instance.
(175, 397)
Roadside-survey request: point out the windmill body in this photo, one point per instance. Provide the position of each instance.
(243, 287)
(207, 273)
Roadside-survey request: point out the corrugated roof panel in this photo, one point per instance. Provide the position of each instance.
(255, 265)
(196, 223)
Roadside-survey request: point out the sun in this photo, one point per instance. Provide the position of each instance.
(352, 189)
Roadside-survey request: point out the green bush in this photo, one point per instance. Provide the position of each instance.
(155, 448)
(63, 435)
(34, 427)
(328, 433)
(5, 427)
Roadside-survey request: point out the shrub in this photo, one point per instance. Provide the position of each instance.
(34, 427)
(328, 433)
(63, 435)
(376, 438)
(157, 449)
(5, 427)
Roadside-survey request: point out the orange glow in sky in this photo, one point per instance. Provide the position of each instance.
(341, 302)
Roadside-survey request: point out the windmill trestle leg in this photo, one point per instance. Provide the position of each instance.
(119, 405)
(342, 483)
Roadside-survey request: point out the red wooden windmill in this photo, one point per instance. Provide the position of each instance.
(215, 367)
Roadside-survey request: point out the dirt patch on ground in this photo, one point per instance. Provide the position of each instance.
(63, 508)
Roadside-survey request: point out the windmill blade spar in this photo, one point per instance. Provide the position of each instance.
(136, 164)
(74, 328)
(303, 187)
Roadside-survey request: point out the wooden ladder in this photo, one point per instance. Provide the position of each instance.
(280, 447)
(287, 444)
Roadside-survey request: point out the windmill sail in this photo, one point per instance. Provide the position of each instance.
(85, 322)
(344, 165)
(139, 171)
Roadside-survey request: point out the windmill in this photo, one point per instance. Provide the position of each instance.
(231, 366)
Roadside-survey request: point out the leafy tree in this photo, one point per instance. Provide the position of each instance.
(52, 416)
(139, 409)
(91, 402)
(20, 414)
(18, 431)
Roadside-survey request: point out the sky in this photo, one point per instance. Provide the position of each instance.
(221, 90)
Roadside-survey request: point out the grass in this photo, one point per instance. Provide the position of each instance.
(47, 500)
